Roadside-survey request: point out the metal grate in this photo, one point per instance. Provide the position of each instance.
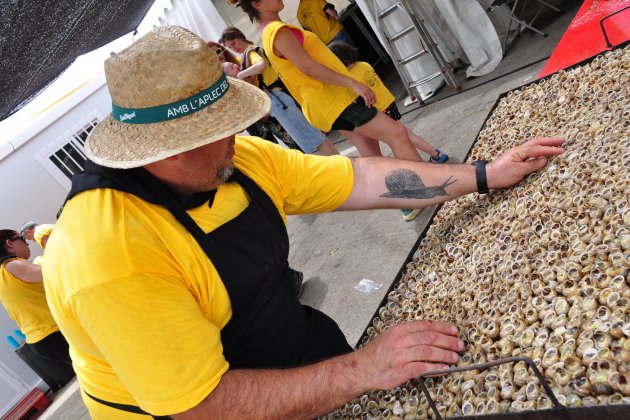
(65, 156)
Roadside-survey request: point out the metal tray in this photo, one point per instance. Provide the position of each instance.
(425, 230)
(603, 412)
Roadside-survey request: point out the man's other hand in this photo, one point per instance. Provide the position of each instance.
(404, 351)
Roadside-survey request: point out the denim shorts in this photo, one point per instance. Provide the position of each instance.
(284, 109)
(355, 115)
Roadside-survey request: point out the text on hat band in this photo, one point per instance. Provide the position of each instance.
(173, 110)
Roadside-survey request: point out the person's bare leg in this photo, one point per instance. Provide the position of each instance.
(366, 146)
(391, 132)
(422, 144)
(327, 148)
(397, 138)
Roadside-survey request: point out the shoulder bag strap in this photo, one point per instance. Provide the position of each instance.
(125, 407)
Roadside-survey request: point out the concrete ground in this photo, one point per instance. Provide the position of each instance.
(337, 251)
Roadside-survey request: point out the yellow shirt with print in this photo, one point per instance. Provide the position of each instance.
(138, 300)
(312, 17)
(364, 73)
(322, 103)
(26, 304)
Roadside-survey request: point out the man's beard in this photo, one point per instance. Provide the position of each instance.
(225, 173)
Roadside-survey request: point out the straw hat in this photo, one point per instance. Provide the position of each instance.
(169, 96)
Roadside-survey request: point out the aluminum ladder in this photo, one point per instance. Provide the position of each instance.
(425, 42)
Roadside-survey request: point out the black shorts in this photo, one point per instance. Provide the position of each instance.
(355, 115)
(393, 112)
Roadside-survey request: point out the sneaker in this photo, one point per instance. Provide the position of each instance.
(298, 281)
(410, 214)
(438, 157)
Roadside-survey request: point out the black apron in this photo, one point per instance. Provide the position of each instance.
(269, 327)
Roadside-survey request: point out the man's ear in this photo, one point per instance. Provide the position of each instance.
(157, 167)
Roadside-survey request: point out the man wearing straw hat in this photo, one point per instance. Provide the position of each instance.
(177, 302)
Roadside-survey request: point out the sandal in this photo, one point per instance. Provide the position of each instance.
(438, 157)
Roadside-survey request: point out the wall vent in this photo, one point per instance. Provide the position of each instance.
(65, 156)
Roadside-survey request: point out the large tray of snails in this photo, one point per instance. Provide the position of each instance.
(539, 270)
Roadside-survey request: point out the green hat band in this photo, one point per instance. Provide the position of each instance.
(173, 110)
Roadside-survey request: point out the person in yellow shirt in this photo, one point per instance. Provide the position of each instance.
(385, 100)
(28, 230)
(330, 97)
(178, 302)
(283, 107)
(42, 233)
(36, 232)
(313, 16)
(23, 297)
(268, 127)
(224, 55)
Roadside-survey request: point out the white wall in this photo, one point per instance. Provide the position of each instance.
(28, 191)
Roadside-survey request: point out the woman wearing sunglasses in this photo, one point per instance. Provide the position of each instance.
(23, 296)
(267, 128)
(225, 55)
(283, 107)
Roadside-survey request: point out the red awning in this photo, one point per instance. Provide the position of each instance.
(584, 38)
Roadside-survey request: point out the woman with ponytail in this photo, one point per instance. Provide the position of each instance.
(254, 64)
(319, 81)
(267, 128)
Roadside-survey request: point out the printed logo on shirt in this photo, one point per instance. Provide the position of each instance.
(370, 79)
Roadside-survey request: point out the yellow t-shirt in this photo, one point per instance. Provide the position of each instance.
(138, 300)
(321, 102)
(312, 17)
(364, 73)
(42, 231)
(269, 75)
(26, 304)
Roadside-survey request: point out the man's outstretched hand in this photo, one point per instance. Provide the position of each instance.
(521, 161)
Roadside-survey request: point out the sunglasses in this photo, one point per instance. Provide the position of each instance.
(219, 51)
(19, 238)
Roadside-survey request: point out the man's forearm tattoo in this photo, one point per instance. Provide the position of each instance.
(403, 183)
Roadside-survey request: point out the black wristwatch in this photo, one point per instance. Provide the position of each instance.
(480, 174)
